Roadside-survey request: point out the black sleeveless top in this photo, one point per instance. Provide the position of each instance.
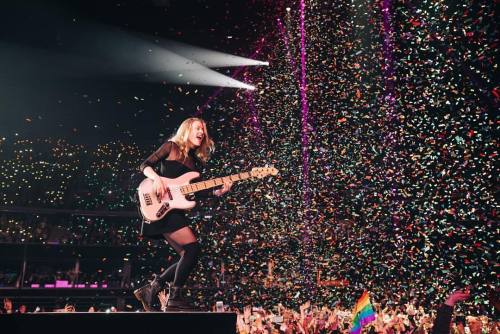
(172, 164)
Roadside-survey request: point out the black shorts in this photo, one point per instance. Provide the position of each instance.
(173, 221)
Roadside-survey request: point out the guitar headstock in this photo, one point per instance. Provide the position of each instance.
(260, 172)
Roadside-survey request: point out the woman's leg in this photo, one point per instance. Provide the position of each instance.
(186, 239)
(185, 244)
(168, 274)
(178, 248)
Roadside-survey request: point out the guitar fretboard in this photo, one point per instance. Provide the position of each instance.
(202, 185)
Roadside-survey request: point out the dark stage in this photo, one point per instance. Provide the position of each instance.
(120, 322)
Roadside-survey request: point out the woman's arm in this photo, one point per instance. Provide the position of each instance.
(150, 173)
(158, 155)
(147, 167)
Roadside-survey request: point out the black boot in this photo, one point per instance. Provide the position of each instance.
(177, 302)
(146, 293)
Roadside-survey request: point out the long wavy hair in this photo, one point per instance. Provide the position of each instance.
(206, 147)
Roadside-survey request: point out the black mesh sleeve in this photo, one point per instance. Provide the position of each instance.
(157, 156)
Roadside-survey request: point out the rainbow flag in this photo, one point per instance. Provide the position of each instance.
(363, 313)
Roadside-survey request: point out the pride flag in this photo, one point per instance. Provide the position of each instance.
(363, 313)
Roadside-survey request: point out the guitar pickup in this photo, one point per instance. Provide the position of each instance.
(169, 194)
(147, 199)
(162, 210)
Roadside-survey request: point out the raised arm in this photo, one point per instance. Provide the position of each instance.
(445, 311)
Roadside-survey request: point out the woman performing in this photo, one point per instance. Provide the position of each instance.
(184, 152)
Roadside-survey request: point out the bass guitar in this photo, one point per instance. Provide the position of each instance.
(154, 208)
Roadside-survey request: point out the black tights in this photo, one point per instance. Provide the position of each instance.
(178, 272)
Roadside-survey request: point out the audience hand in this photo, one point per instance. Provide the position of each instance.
(457, 296)
(7, 305)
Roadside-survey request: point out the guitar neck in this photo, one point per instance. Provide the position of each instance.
(203, 185)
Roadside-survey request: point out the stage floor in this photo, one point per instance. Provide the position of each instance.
(119, 322)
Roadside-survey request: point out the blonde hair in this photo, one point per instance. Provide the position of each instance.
(206, 147)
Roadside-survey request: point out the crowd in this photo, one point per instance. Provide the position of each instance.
(68, 230)
(307, 319)
(53, 173)
(313, 319)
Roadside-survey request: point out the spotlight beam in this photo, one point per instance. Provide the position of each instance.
(233, 75)
(167, 61)
(101, 51)
(200, 76)
(210, 58)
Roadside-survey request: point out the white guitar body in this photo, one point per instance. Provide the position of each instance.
(153, 208)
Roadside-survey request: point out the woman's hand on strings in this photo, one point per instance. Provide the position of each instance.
(225, 188)
(159, 187)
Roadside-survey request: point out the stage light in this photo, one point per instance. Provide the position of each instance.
(207, 77)
(169, 61)
(288, 9)
(124, 55)
(209, 58)
(165, 65)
